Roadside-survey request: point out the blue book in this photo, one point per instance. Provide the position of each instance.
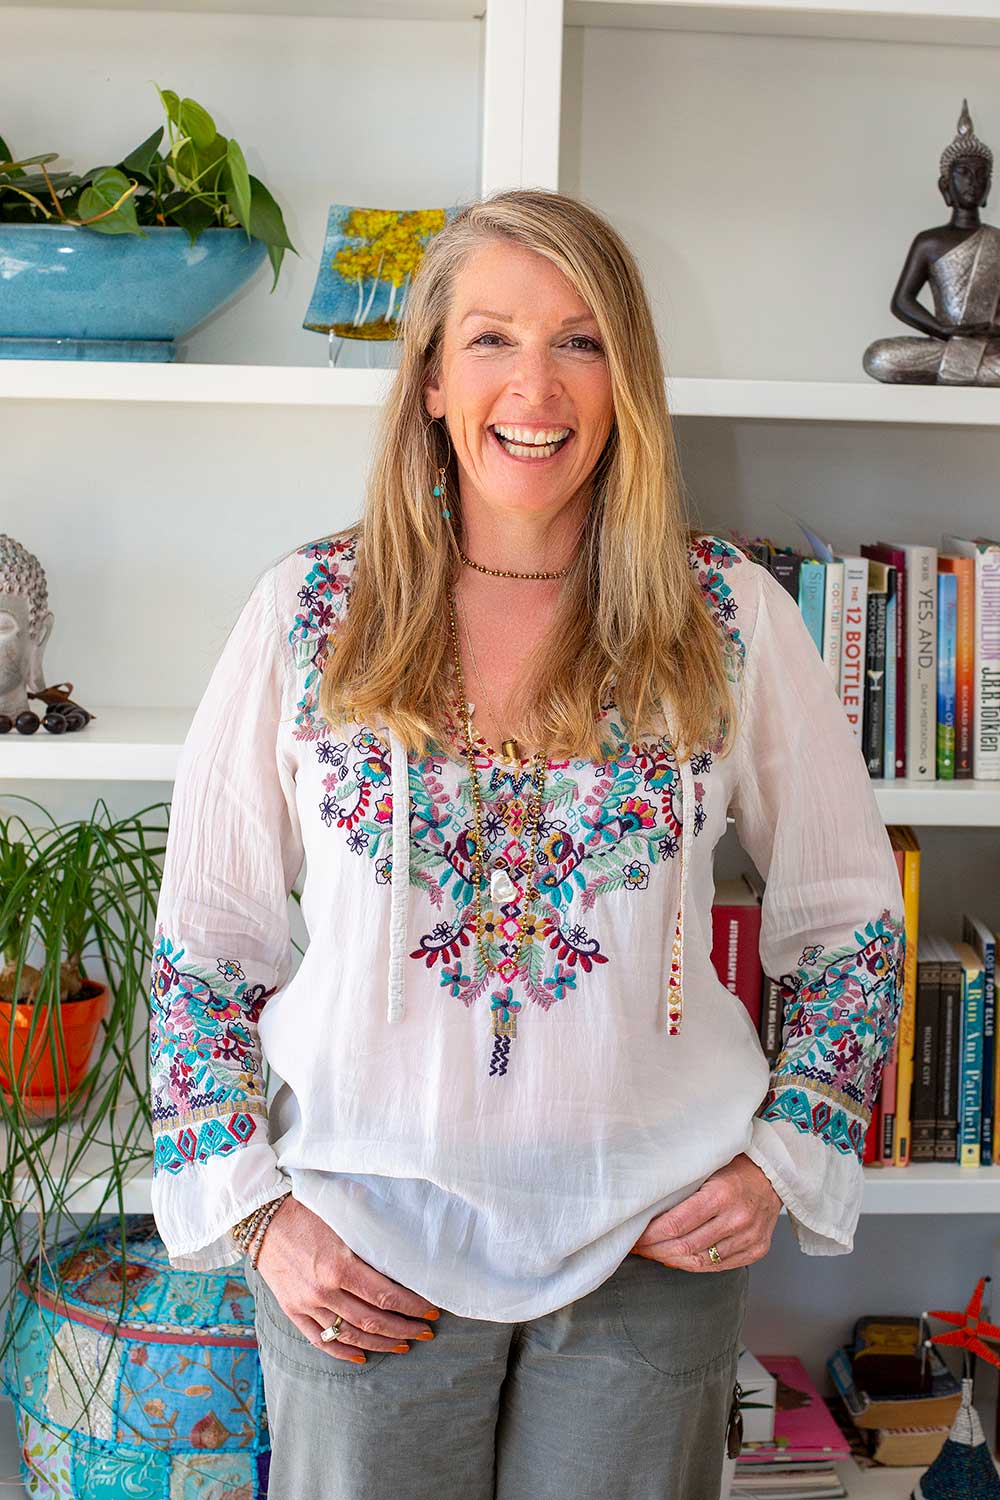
(947, 589)
(889, 737)
(981, 939)
(970, 1077)
(812, 597)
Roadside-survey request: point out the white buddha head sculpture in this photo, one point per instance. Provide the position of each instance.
(25, 625)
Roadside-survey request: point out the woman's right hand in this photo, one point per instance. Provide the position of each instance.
(314, 1276)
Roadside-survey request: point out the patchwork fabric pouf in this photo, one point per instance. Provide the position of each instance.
(164, 1403)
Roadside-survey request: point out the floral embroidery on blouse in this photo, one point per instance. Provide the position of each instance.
(605, 826)
(206, 1079)
(841, 1012)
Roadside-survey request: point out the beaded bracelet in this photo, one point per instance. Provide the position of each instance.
(249, 1232)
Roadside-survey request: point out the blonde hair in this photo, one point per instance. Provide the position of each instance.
(631, 612)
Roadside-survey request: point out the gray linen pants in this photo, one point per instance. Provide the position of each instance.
(623, 1394)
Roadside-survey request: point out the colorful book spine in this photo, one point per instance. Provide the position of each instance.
(981, 939)
(873, 719)
(964, 569)
(921, 664)
(890, 553)
(812, 592)
(923, 1123)
(948, 1052)
(947, 586)
(903, 837)
(736, 918)
(888, 1089)
(986, 708)
(852, 652)
(833, 619)
(889, 730)
(971, 1075)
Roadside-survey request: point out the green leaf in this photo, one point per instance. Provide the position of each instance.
(197, 123)
(138, 162)
(171, 103)
(266, 222)
(194, 163)
(105, 191)
(238, 194)
(192, 215)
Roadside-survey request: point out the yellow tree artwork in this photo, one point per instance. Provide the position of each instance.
(368, 262)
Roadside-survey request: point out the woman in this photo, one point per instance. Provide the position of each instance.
(502, 719)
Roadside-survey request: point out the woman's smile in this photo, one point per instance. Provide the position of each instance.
(511, 440)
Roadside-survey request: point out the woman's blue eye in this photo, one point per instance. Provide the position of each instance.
(585, 336)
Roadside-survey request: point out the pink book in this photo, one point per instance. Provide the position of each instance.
(803, 1425)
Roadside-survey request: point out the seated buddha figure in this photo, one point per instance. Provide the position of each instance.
(960, 340)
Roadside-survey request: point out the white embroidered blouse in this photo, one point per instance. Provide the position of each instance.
(498, 1143)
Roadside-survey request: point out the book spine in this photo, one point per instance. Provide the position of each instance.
(982, 940)
(873, 731)
(986, 755)
(889, 1086)
(965, 665)
(950, 1011)
(785, 567)
(771, 1018)
(947, 585)
(972, 1068)
(907, 1030)
(889, 734)
(852, 652)
(833, 619)
(872, 1145)
(923, 1123)
(921, 722)
(812, 589)
(736, 954)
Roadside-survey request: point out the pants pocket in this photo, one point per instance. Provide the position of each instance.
(685, 1324)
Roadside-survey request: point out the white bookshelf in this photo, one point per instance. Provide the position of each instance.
(154, 493)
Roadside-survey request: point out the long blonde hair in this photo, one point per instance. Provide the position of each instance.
(631, 614)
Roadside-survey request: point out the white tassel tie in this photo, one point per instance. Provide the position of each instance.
(400, 788)
(675, 976)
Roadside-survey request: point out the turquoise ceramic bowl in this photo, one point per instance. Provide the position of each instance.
(68, 292)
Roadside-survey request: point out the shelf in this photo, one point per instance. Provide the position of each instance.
(926, 1188)
(932, 1188)
(963, 23)
(142, 744)
(318, 385)
(119, 744)
(364, 10)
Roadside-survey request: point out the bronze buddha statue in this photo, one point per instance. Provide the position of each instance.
(960, 342)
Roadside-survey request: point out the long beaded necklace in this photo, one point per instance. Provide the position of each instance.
(502, 888)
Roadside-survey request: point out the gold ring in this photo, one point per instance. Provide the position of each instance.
(713, 1255)
(332, 1331)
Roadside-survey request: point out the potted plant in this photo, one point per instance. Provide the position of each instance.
(119, 261)
(74, 895)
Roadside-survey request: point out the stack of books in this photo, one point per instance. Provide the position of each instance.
(911, 637)
(908, 1425)
(799, 1463)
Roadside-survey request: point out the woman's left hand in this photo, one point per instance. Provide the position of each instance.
(735, 1209)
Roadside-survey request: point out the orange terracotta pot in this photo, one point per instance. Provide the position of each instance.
(37, 1085)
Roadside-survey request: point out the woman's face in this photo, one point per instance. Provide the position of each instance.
(521, 351)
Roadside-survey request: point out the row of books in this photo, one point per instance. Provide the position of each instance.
(941, 1079)
(911, 636)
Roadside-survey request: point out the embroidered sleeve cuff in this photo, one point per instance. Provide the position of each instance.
(821, 1188)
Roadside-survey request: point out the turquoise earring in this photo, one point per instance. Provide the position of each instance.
(440, 488)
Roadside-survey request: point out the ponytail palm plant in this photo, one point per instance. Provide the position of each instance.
(77, 904)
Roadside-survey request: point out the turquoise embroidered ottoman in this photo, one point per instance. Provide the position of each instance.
(163, 1403)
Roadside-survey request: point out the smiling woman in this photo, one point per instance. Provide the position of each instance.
(507, 1061)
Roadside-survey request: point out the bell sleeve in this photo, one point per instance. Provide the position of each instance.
(222, 948)
(831, 928)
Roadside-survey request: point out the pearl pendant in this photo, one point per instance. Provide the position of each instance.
(502, 888)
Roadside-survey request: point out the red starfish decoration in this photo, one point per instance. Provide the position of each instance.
(970, 1330)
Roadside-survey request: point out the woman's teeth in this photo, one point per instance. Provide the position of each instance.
(522, 444)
